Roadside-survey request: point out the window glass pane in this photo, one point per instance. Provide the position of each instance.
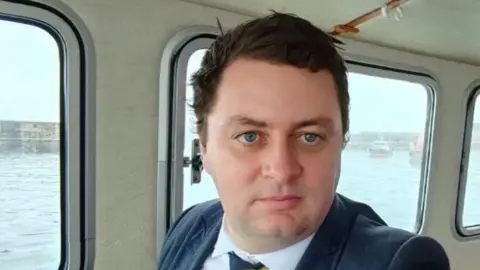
(381, 165)
(205, 190)
(30, 221)
(471, 211)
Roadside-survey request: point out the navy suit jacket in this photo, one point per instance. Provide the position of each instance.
(352, 237)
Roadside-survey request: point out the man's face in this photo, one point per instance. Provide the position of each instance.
(273, 148)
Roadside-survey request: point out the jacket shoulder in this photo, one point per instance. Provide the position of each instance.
(420, 252)
(185, 227)
(373, 245)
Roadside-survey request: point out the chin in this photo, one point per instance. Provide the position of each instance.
(280, 226)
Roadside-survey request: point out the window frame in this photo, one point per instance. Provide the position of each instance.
(382, 69)
(175, 58)
(77, 123)
(171, 129)
(472, 93)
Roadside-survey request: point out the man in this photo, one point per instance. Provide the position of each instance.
(271, 101)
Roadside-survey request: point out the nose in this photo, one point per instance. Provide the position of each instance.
(281, 163)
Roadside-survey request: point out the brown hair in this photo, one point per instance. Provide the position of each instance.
(278, 38)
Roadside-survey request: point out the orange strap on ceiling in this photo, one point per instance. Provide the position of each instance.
(351, 26)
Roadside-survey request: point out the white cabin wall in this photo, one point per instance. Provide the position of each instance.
(129, 37)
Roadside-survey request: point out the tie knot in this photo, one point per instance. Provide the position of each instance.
(236, 263)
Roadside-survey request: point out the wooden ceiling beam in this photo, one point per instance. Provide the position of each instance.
(351, 27)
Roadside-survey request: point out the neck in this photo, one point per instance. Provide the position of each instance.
(258, 244)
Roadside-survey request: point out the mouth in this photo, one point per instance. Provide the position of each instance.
(280, 198)
(283, 202)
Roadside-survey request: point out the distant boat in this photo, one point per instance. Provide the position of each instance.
(380, 149)
(416, 151)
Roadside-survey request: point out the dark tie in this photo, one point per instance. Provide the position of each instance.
(236, 263)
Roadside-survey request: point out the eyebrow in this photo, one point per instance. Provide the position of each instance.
(243, 120)
(316, 121)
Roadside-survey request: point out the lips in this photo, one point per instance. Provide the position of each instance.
(283, 202)
(280, 198)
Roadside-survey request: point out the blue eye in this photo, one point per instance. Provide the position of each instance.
(310, 138)
(248, 137)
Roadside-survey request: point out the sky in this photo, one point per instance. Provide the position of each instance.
(29, 86)
(29, 74)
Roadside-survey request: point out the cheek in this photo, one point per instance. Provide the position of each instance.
(234, 160)
(233, 172)
(321, 175)
(234, 186)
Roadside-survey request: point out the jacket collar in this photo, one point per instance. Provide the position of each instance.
(323, 251)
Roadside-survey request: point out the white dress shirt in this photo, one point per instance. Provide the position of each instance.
(283, 259)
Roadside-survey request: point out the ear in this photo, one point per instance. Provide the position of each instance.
(203, 149)
(339, 170)
(203, 152)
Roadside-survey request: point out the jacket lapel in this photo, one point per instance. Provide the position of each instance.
(205, 241)
(323, 252)
(326, 246)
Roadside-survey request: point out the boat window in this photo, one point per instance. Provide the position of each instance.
(30, 186)
(468, 214)
(383, 163)
(203, 188)
(46, 171)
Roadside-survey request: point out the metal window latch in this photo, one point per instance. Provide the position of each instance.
(195, 162)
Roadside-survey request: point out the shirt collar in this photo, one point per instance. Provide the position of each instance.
(286, 258)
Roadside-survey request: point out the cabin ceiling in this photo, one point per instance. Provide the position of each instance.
(440, 28)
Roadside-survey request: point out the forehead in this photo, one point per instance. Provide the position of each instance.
(275, 93)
